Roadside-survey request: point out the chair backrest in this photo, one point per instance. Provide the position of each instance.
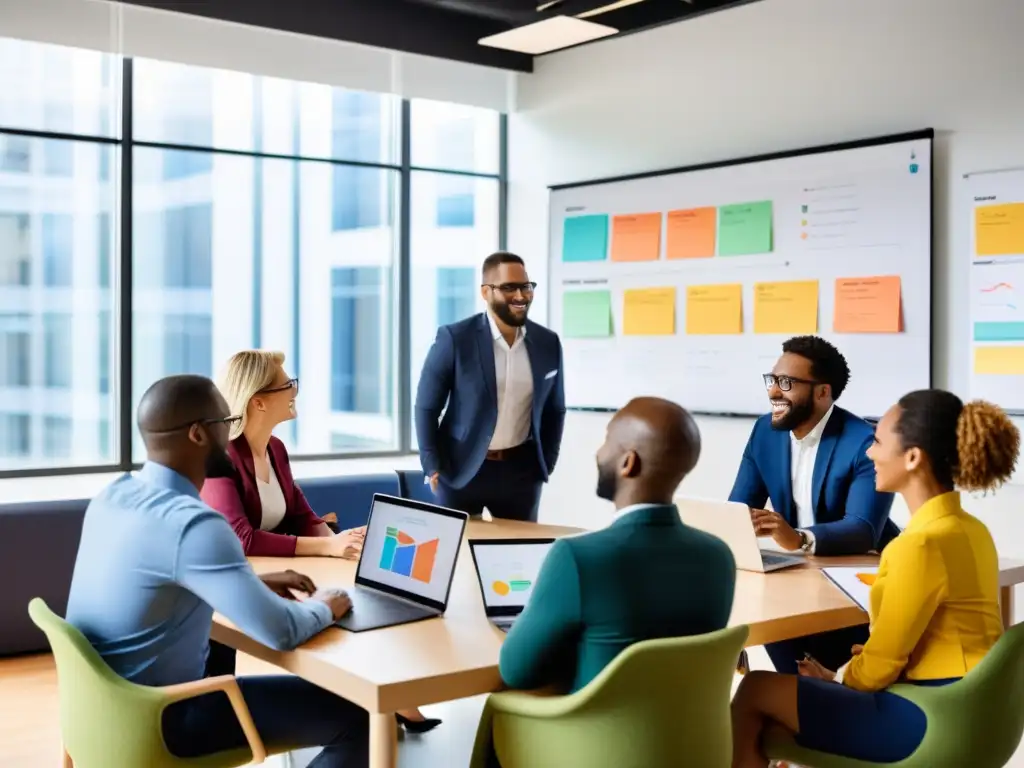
(101, 714)
(659, 703)
(981, 718)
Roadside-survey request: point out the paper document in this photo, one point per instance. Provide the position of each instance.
(855, 582)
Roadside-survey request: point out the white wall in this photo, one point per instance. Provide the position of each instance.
(776, 75)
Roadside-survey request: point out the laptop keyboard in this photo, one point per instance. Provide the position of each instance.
(768, 558)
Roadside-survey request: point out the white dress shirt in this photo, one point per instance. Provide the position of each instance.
(272, 500)
(803, 452)
(514, 378)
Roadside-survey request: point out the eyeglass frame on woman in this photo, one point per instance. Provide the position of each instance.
(510, 289)
(771, 378)
(291, 384)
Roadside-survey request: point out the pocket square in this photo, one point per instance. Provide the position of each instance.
(551, 374)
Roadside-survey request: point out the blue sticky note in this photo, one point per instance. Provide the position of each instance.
(585, 238)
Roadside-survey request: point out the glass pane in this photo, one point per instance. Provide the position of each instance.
(57, 307)
(57, 89)
(454, 137)
(250, 237)
(454, 228)
(220, 109)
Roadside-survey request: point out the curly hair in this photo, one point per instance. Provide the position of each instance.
(827, 363)
(973, 446)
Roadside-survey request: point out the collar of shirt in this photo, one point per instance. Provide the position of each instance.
(621, 513)
(165, 477)
(813, 437)
(496, 331)
(935, 508)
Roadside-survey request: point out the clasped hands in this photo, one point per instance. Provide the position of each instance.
(768, 523)
(811, 667)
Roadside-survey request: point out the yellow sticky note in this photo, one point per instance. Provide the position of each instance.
(999, 361)
(786, 307)
(714, 309)
(649, 312)
(999, 229)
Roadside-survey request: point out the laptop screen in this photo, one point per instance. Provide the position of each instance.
(410, 549)
(507, 570)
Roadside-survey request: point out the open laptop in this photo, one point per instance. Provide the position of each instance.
(406, 567)
(507, 570)
(730, 521)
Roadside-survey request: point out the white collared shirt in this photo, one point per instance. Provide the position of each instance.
(514, 378)
(803, 453)
(633, 508)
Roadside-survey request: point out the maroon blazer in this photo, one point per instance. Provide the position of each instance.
(238, 499)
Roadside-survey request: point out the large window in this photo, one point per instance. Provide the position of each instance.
(263, 213)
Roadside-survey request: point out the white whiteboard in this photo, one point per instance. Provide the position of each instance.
(852, 211)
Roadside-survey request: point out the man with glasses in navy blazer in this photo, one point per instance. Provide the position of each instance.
(808, 457)
(490, 405)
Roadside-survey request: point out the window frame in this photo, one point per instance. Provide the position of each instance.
(122, 347)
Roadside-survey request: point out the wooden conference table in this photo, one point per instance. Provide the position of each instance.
(445, 659)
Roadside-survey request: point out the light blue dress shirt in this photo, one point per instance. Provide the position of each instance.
(153, 565)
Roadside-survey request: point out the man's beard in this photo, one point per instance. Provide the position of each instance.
(797, 414)
(504, 313)
(218, 464)
(607, 483)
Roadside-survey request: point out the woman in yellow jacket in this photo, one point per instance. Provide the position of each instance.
(934, 604)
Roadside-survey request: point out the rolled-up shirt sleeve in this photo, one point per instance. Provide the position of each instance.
(210, 563)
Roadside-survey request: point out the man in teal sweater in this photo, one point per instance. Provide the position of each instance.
(645, 576)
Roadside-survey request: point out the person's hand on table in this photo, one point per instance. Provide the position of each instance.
(768, 523)
(433, 482)
(810, 667)
(347, 544)
(285, 583)
(334, 598)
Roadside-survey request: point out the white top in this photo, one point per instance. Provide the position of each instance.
(804, 451)
(514, 379)
(272, 500)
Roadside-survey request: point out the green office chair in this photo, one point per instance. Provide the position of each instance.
(975, 722)
(659, 704)
(108, 722)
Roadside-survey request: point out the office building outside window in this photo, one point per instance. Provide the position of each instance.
(263, 213)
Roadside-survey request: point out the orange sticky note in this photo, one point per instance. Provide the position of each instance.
(690, 234)
(867, 305)
(867, 578)
(636, 237)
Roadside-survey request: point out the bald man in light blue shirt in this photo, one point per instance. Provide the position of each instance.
(155, 562)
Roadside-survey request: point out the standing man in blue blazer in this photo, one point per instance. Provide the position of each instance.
(808, 457)
(500, 376)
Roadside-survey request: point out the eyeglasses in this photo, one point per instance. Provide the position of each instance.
(510, 289)
(785, 382)
(290, 384)
(229, 420)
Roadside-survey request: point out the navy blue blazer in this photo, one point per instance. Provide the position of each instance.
(459, 371)
(850, 516)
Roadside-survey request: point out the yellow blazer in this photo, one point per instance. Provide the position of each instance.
(935, 603)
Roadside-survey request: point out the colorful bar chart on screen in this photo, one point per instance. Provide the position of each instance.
(401, 554)
(505, 588)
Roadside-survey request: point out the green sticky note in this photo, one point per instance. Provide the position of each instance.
(745, 228)
(585, 238)
(587, 314)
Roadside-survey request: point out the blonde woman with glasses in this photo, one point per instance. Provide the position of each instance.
(260, 499)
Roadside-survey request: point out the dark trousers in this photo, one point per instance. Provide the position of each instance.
(831, 649)
(287, 711)
(509, 488)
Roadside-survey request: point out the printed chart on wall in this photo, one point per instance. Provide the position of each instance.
(997, 287)
(684, 284)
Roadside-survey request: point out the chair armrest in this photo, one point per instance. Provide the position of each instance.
(537, 704)
(229, 685)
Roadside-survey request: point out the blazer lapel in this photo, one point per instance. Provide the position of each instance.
(826, 448)
(246, 467)
(536, 369)
(485, 346)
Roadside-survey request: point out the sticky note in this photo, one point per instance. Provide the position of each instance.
(712, 309)
(585, 238)
(999, 229)
(999, 361)
(745, 228)
(649, 312)
(636, 237)
(587, 314)
(867, 578)
(690, 234)
(867, 305)
(786, 307)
